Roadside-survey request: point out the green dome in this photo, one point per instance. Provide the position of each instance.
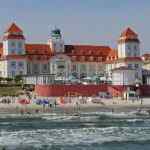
(56, 33)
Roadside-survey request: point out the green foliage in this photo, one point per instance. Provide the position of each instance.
(18, 79)
(8, 79)
(10, 90)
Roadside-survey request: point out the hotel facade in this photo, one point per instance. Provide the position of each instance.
(17, 57)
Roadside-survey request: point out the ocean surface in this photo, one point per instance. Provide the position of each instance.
(90, 131)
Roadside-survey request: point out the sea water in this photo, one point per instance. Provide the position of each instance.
(89, 131)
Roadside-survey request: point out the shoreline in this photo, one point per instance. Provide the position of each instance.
(71, 109)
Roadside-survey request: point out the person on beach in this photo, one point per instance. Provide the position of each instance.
(141, 101)
(21, 111)
(112, 110)
(50, 105)
(55, 103)
(37, 111)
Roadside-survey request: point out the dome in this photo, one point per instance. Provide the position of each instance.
(56, 33)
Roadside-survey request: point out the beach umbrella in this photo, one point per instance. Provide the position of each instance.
(24, 101)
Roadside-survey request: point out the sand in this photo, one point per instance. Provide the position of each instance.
(105, 105)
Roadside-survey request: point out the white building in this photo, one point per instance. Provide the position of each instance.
(123, 76)
(20, 58)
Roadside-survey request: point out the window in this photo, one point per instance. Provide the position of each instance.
(83, 67)
(74, 67)
(13, 73)
(129, 53)
(20, 52)
(45, 68)
(20, 45)
(130, 66)
(61, 67)
(36, 68)
(136, 75)
(21, 64)
(13, 52)
(13, 44)
(129, 47)
(136, 65)
(13, 64)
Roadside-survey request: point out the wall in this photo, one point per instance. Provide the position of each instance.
(123, 77)
(145, 90)
(3, 68)
(62, 90)
(87, 90)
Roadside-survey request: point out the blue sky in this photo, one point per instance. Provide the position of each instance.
(81, 21)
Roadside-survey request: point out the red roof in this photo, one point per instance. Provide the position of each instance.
(12, 36)
(112, 55)
(13, 56)
(128, 35)
(38, 49)
(13, 28)
(128, 32)
(126, 59)
(133, 59)
(87, 52)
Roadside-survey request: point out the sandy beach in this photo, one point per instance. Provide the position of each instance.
(105, 105)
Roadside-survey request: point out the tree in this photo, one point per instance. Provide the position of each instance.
(1, 79)
(18, 79)
(8, 79)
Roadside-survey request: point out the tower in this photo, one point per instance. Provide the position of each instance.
(13, 52)
(128, 44)
(56, 41)
(13, 41)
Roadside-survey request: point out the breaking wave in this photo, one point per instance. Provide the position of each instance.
(88, 131)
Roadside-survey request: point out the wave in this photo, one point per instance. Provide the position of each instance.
(75, 136)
